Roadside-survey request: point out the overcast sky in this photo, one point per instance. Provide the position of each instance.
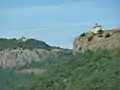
(56, 22)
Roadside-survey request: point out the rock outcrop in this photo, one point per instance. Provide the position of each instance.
(108, 39)
(15, 52)
(16, 57)
(20, 57)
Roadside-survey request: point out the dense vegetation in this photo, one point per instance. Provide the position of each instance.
(90, 71)
(28, 44)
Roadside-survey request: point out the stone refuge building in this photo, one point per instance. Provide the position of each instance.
(96, 29)
(22, 39)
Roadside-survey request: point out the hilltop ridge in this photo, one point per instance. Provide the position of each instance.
(103, 39)
(24, 43)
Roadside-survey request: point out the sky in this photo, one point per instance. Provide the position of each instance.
(56, 22)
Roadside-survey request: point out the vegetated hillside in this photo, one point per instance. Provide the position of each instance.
(89, 71)
(25, 44)
(107, 39)
(28, 44)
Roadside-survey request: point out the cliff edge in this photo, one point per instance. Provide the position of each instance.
(97, 39)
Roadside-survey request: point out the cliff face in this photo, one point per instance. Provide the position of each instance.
(15, 52)
(108, 39)
(16, 57)
(21, 57)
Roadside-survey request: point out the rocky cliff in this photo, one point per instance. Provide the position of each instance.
(15, 52)
(20, 57)
(17, 57)
(107, 39)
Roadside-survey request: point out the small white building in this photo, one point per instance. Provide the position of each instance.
(97, 28)
(23, 39)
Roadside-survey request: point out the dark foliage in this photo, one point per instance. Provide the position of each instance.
(100, 35)
(100, 31)
(107, 35)
(82, 35)
(29, 44)
(90, 38)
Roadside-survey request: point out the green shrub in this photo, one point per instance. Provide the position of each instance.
(100, 35)
(100, 32)
(107, 35)
(82, 35)
(90, 38)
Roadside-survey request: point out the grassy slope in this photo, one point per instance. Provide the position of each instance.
(90, 71)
